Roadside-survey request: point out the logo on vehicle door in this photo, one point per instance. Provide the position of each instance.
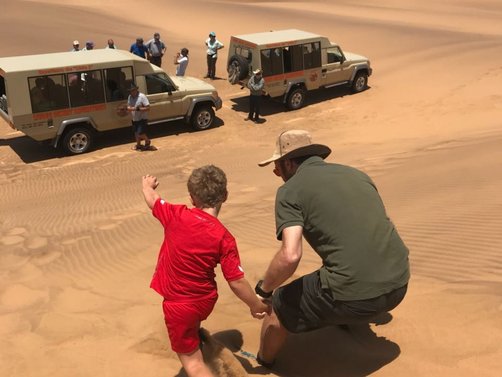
(121, 110)
(313, 76)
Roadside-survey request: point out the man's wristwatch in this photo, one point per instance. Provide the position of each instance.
(260, 292)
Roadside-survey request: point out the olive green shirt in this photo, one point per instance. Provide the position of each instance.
(344, 220)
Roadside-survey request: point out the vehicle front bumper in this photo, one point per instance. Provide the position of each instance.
(218, 103)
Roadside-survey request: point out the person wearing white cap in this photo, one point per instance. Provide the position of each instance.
(213, 45)
(255, 85)
(76, 46)
(337, 208)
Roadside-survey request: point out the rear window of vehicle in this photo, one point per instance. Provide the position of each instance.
(312, 55)
(118, 81)
(271, 62)
(48, 93)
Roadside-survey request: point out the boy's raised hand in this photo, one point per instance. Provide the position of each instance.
(261, 309)
(150, 181)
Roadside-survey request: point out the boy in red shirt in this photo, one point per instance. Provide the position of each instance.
(194, 243)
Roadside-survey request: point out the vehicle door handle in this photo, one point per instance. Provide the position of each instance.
(324, 70)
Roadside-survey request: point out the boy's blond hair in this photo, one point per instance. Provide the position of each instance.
(208, 184)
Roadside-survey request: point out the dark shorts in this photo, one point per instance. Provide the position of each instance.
(139, 126)
(303, 305)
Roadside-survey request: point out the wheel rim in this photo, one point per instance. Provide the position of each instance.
(204, 119)
(296, 99)
(360, 83)
(78, 142)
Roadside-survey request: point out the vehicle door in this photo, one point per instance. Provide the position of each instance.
(164, 97)
(312, 63)
(333, 71)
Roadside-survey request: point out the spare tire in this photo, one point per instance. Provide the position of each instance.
(238, 69)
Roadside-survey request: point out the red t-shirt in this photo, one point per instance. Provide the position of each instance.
(194, 243)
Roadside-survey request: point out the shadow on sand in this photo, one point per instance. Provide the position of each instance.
(348, 351)
(31, 151)
(270, 106)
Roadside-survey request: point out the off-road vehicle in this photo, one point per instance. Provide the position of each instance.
(68, 98)
(294, 62)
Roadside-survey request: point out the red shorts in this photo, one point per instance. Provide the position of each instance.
(183, 322)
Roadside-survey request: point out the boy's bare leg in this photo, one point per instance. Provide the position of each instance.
(194, 364)
(273, 336)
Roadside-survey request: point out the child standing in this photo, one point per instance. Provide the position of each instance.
(195, 241)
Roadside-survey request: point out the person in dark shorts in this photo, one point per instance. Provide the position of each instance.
(138, 105)
(337, 208)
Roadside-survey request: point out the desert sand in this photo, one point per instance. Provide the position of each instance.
(78, 245)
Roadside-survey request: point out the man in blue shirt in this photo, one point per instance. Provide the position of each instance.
(139, 48)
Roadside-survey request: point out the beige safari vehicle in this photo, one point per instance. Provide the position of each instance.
(294, 62)
(68, 98)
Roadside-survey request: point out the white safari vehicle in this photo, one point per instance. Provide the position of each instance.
(68, 98)
(294, 62)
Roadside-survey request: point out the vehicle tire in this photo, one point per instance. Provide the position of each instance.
(296, 98)
(238, 69)
(202, 117)
(77, 140)
(360, 82)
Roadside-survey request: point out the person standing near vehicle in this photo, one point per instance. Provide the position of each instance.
(111, 44)
(181, 61)
(337, 208)
(138, 105)
(213, 45)
(76, 46)
(156, 49)
(139, 48)
(255, 85)
(89, 45)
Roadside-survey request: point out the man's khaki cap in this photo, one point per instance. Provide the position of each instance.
(296, 143)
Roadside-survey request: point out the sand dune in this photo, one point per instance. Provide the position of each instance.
(78, 245)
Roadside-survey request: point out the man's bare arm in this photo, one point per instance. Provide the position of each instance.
(285, 262)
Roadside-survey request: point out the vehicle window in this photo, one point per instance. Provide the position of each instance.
(244, 52)
(158, 83)
(293, 58)
(312, 55)
(118, 81)
(334, 55)
(3, 97)
(271, 62)
(48, 93)
(85, 88)
(2, 86)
